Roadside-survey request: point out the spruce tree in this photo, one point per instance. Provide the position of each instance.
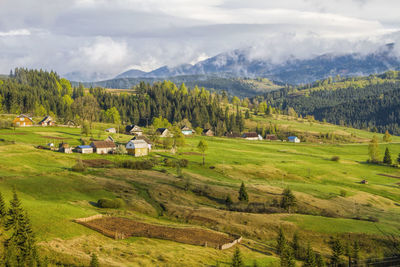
(310, 260)
(243, 196)
(319, 260)
(228, 201)
(3, 209)
(94, 262)
(237, 260)
(287, 257)
(356, 252)
(14, 213)
(288, 199)
(280, 241)
(296, 245)
(387, 159)
(337, 251)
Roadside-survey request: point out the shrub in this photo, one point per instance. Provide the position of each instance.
(137, 165)
(106, 203)
(121, 150)
(183, 163)
(79, 166)
(335, 158)
(373, 219)
(343, 193)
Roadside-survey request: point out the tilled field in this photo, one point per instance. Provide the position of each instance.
(116, 227)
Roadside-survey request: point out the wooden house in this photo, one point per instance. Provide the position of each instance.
(137, 148)
(103, 147)
(84, 149)
(252, 136)
(293, 139)
(22, 121)
(232, 135)
(186, 130)
(64, 148)
(133, 129)
(144, 138)
(163, 132)
(47, 121)
(208, 132)
(271, 137)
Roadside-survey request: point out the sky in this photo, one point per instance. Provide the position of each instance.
(112, 36)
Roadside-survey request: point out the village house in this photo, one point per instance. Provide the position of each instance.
(84, 149)
(111, 130)
(144, 138)
(271, 137)
(208, 132)
(47, 121)
(133, 129)
(163, 132)
(22, 121)
(186, 130)
(252, 136)
(137, 148)
(64, 148)
(232, 135)
(293, 139)
(103, 147)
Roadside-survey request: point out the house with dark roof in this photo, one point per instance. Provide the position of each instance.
(207, 132)
(103, 147)
(47, 121)
(144, 138)
(163, 132)
(133, 129)
(186, 130)
(64, 148)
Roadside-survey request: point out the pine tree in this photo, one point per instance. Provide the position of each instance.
(356, 252)
(94, 262)
(280, 241)
(14, 213)
(296, 245)
(287, 257)
(237, 260)
(3, 209)
(228, 201)
(337, 251)
(387, 159)
(310, 260)
(243, 196)
(288, 199)
(319, 260)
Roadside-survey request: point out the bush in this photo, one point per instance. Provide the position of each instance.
(137, 165)
(79, 166)
(121, 150)
(183, 163)
(343, 193)
(106, 203)
(335, 158)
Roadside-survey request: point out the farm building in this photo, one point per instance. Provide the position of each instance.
(252, 136)
(70, 123)
(22, 121)
(64, 148)
(133, 129)
(144, 138)
(163, 132)
(137, 148)
(293, 139)
(103, 147)
(271, 137)
(84, 149)
(208, 132)
(47, 121)
(186, 130)
(232, 135)
(109, 138)
(111, 130)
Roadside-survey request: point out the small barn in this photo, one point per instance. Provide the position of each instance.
(111, 130)
(137, 148)
(144, 138)
(232, 135)
(186, 130)
(84, 149)
(208, 132)
(22, 121)
(252, 136)
(103, 147)
(133, 129)
(293, 139)
(47, 121)
(163, 132)
(64, 148)
(271, 137)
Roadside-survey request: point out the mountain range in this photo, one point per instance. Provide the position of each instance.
(238, 64)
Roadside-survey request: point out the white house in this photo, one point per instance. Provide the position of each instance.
(293, 139)
(84, 149)
(137, 148)
(103, 147)
(111, 130)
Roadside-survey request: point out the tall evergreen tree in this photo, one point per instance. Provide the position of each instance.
(94, 262)
(3, 209)
(237, 260)
(287, 257)
(387, 159)
(243, 196)
(337, 251)
(280, 241)
(319, 260)
(288, 199)
(296, 245)
(310, 260)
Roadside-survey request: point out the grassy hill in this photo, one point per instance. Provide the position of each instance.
(331, 199)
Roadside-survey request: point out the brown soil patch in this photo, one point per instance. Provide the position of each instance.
(388, 175)
(55, 137)
(124, 228)
(97, 163)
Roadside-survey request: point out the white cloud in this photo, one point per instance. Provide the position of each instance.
(18, 32)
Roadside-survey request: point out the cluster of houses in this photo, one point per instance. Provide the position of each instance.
(26, 121)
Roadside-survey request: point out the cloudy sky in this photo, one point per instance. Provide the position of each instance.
(111, 36)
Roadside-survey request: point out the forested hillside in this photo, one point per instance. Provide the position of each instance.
(40, 93)
(367, 102)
